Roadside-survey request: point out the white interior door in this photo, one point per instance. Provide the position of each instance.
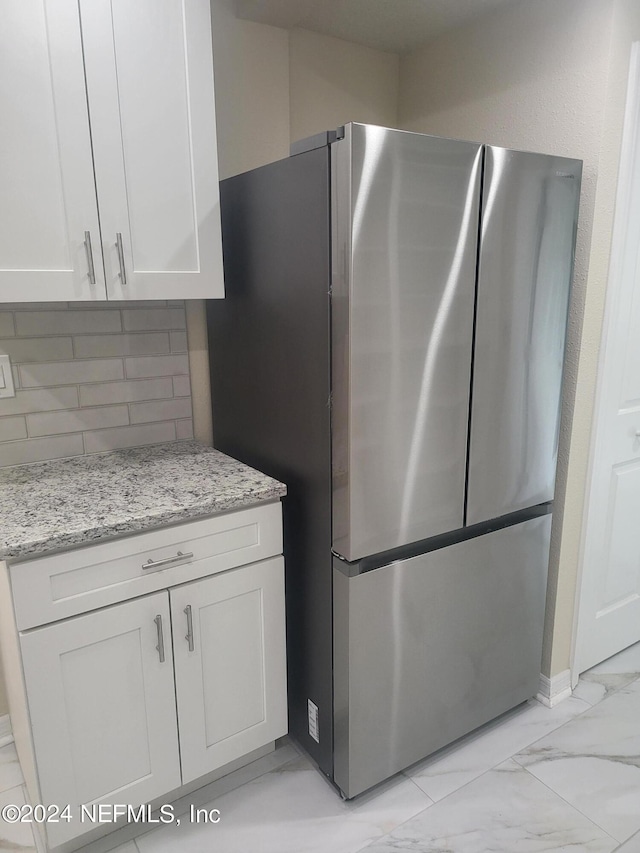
(149, 73)
(231, 677)
(102, 708)
(47, 187)
(609, 608)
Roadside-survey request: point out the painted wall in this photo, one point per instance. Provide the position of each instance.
(333, 82)
(547, 76)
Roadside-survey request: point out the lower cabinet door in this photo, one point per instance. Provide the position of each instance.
(230, 664)
(101, 697)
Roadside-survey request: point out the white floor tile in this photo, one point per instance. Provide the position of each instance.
(630, 846)
(293, 810)
(593, 762)
(15, 836)
(593, 686)
(504, 811)
(473, 755)
(626, 661)
(10, 772)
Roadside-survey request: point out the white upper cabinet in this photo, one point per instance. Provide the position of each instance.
(150, 92)
(150, 156)
(47, 189)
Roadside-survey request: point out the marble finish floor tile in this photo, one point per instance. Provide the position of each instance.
(504, 811)
(625, 662)
(290, 810)
(593, 687)
(609, 676)
(630, 846)
(473, 755)
(15, 837)
(593, 762)
(10, 772)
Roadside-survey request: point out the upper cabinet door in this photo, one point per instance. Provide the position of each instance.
(46, 173)
(149, 73)
(529, 218)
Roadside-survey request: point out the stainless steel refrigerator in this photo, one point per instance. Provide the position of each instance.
(391, 347)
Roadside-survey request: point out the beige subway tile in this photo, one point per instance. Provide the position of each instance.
(160, 410)
(159, 365)
(6, 324)
(77, 420)
(178, 341)
(181, 386)
(12, 428)
(121, 303)
(70, 372)
(153, 319)
(40, 449)
(126, 391)
(39, 306)
(129, 436)
(16, 376)
(40, 400)
(37, 349)
(103, 346)
(67, 322)
(184, 429)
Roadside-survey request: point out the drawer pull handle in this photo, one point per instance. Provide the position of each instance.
(189, 634)
(160, 646)
(168, 561)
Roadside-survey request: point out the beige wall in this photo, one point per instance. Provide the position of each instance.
(251, 67)
(547, 76)
(333, 82)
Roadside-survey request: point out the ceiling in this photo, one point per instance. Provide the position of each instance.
(398, 26)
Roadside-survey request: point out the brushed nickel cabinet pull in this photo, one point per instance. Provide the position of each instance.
(168, 561)
(89, 251)
(189, 634)
(160, 646)
(123, 271)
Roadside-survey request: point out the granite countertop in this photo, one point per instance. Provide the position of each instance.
(49, 506)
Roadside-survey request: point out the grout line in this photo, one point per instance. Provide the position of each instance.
(571, 805)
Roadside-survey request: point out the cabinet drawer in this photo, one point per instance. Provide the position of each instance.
(72, 582)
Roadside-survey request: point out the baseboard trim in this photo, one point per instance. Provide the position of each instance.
(6, 734)
(553, 690)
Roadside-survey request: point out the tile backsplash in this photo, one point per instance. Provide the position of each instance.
(93, 378)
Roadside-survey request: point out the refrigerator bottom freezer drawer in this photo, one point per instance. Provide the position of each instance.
(429, 648)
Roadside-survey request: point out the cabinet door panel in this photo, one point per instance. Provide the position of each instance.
(46, 172)
(231, 688)
(102, 708)
(152, 116)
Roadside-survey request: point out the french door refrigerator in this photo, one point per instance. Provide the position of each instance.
(391, 347)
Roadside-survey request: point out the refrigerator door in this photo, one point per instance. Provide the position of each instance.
(429, 648)
(405, 221)
(528, 231)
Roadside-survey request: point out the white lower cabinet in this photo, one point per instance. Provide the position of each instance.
(103, 708)
(229, 653)
(131, 701)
